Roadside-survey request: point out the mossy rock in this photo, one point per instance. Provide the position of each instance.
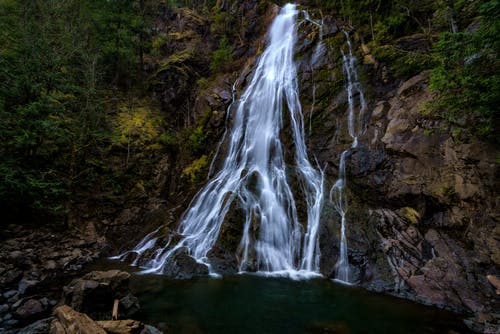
(410, 214)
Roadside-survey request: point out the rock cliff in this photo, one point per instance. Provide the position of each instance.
(422, 218)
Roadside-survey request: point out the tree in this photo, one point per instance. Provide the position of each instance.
(467, 78)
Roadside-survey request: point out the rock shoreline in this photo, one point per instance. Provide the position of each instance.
(33, 262)
(85, 307)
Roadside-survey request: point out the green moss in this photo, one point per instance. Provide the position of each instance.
(410, 214)
(176, 62)
(157, 43)
(222, 56)
(403, 64)
(202, 83)
(197, 140)
(168, 139)
(428, 132)
(447, 191)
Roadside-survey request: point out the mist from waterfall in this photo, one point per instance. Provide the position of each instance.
(355, 126)
(254, 172)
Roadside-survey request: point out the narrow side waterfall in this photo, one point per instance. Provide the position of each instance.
(318, 53)
(355, 123)
(254, 172)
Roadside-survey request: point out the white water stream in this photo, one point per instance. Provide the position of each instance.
(355, 128)
(254, 172)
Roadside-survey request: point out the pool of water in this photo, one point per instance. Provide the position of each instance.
(253, 304)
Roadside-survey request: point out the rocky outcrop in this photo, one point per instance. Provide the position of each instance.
(71, 321)
(183, 266)
(91, 298)
(32, 260)
(423, 198)
(95, 292)
(422, 221)
(422, 218)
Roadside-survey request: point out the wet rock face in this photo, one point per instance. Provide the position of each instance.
(422, 218)
(183, 266)
(422, 205)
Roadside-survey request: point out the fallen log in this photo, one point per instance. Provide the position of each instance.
(121, 326)
(76, 322)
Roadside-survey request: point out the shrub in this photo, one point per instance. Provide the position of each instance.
(222, 55)
(467, 77)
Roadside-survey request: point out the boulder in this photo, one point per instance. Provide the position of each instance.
(39, 327)
(151, 330)
(29, 309)
(70, 321)
(4, 308)
(95, 292)
(183, 266)
(27, 286)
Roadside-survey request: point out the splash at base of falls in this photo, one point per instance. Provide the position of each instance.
(253, 173)
(296, 275)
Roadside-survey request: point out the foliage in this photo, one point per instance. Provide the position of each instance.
(202, 83)
(177, 63)
(197, 140)
(119, 31)
(403, 63)
(136, 125)
(158, 42)
(457, 39)
(169, 140)
(222, 55)
(197, 170)
(467, 78)
(410, 214)
(41, 94)
(57, 61)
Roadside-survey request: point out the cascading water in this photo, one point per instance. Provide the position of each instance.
(355, 128)
(318, 53)
(254, 173)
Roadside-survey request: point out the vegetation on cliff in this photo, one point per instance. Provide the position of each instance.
(111, 111)
(457, 40)
(93, 94)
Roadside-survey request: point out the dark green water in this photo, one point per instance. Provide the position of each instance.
(251, 304)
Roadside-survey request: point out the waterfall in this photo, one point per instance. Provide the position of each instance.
(254, 172)
(318, 54)
(355, 125)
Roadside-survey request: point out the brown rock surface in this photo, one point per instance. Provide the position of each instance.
(95, 292)
(72, 321)
(440, 249)
(121, 326)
